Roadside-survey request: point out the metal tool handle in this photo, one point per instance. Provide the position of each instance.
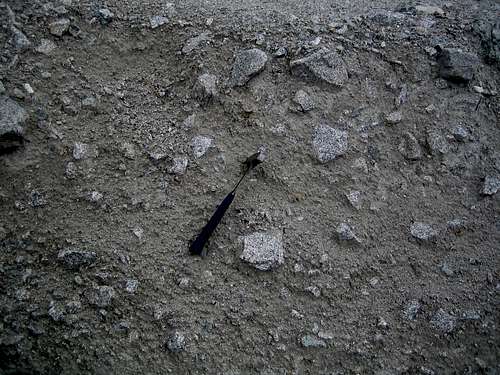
(196, 247)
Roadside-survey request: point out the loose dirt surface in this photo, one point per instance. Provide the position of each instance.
(380, 189)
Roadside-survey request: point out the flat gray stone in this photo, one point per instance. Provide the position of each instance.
(456, 65)
(443, 321)
(100, 296)
(329, 143)
(324, 65)
(195, 42)
(310, 341)
(75, 259)
(263, 250)
(46, 47)
(246, 65)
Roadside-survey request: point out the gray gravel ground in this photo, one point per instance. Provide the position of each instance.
(366, 243)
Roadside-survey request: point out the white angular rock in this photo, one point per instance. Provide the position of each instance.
(200, 145)
(263, 250)
(157, 21)
(80, 150)
(394, 118)
(345, 233)
(176, 342)
(179, 166)
(59, 27)
(310, 341)
(423, 232)
(304, 101)
(46, 47)
(329, 143)
(491, 185)
(354, 198)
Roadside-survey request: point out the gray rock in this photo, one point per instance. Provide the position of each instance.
(409, 147)
(459, 133)
(100, 296)
(71, 170)
(12, 117)
(157, 21)
(131, 285)
(490, 35)
(263, 250)
(189, 122)
(281, 52)
(75, 259)
(443, 321)
(200, 145)
(329, 143)
(411, 310)
(491, 185)
(46, 47)
(90, 102)
(83, 151)
(37, 199)
(59, 27)
(179, 166)
(456, 65)
(429, 10)
(205, 88)
(246, 65)
(394, 118)
(2, 88)
(438, 144)
(73, 307)
(456, 226)
(423, 232)
(105, 16)
(21, 42)
(195, 42)
(324, 65)
(310, 341)
(314, 290)
(354, 198)
(176, 342)
(304, 102)
(345, 233)
(128, 149)
(12, 121)
(94, 196)
(445, 268)
(56, 311)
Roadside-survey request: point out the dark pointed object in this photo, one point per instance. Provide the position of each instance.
(198, 244)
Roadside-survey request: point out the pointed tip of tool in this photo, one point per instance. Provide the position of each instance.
(255, 159)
